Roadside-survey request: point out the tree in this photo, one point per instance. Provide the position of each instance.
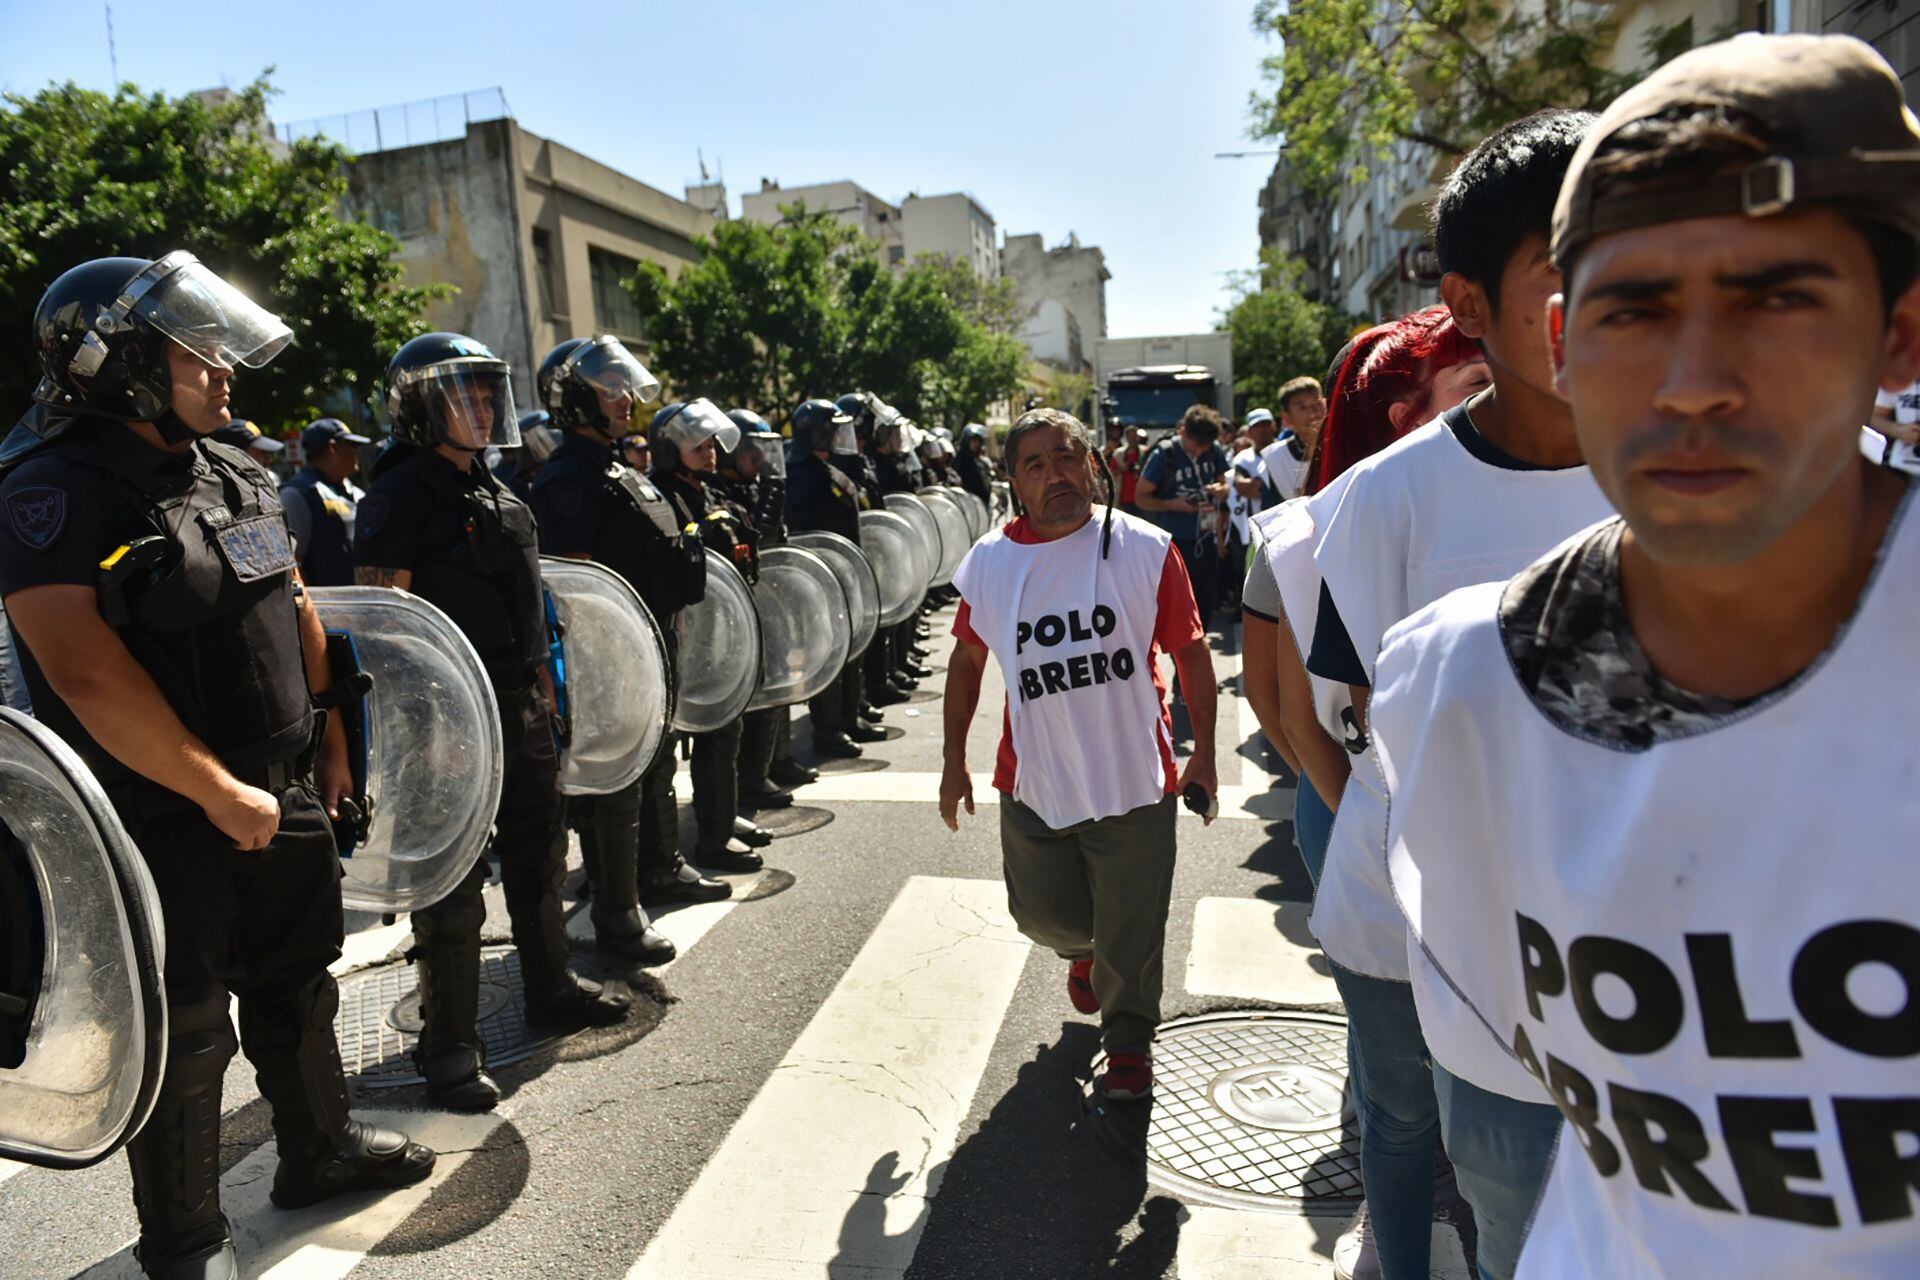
(1279, 333)
(1355, 76)
(771, 315)
(86, 175)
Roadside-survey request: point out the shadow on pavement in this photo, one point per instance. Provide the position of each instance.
(1034, 1194)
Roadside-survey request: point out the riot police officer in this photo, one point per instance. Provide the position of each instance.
(593, 507)
(752, 477)
(439, 524)
(970, 464)
(149, 574)
(517, 468)
(821, 496)
(687, 437)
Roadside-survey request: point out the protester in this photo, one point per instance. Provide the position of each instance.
(1181, 488)
(1249, 494)
(1893, 439)
(1653, 810)
(1468, 498)
(1303, 408)
(1076, 602)
(1125, 452)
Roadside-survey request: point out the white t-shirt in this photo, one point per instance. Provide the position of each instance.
(1240, 508)
(1888, 452)
(1423, 517)
(1708, 947)
(1073, 632)
(1285, 558)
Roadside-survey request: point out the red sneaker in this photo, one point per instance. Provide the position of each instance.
(1129, 1077)
(1080, 985)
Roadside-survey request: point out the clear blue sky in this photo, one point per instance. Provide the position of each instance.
(1094, 116)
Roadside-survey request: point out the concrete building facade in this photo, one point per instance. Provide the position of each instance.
(1063, 292)
(875, 218)
(535, 237)
(952, 226)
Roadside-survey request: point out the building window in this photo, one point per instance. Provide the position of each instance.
(896, 254)
(614, 310)
(543, 269)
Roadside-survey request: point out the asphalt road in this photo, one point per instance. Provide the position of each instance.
(600, 1140)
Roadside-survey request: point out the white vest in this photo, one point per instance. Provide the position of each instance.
(1691, 942)
(1419, 519)
(1073, 635)
(1286, 473)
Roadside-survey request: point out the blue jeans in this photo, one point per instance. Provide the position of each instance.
(1312, 827)
(1500, 1148)
(1399, 1118)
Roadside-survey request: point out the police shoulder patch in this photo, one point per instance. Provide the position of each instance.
(38, 514)
(372, 515)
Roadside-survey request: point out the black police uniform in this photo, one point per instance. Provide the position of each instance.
(765, 735)
(327, 559)
(715, 765)
(972, 474)
(213, 621)
(592, 504)
(822, 497)
(473, 550)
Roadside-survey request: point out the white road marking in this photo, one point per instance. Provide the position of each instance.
(326, 1241)
(8, 1168)
(854, 1126)
(1255, 803)
(1241, 1244)
(370, 946)
(1255, 950)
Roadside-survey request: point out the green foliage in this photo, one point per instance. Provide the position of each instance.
(86, 175)
(772, 315)
(1355, 76)
(1279, 333)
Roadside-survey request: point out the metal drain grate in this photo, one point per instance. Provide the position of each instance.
(379, 1019)
(1249, 1111)
(795, 820)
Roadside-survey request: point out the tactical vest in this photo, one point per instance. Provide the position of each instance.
(479, 563)
(208, 613)
(328, 558)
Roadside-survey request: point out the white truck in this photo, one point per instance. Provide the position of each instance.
(1155, 380)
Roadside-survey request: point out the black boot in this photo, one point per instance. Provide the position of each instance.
(751, 834)
(835, 746)
(864, 732)
(791, 773)
(757, 796)
(620, 927)
(176, 1157)
(679, 882)
(733, 857)
(572, 1002)
(450, 1054)
(324, 1151)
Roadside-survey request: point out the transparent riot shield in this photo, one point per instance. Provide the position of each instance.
(862, 589)
(1002, 500)
(956, 532)
(893, 548)
(611, 677)
(978, 516)
(83, 1025)
(926, 533)
(805, 626)
(428, 754)
(719, 652)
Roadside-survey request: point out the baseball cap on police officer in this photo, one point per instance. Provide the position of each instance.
(325, 433)
(242, 434)
(1842, 138)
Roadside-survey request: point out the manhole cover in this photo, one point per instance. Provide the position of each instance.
(796, 820)
(379, 1019)
(1249, 1111)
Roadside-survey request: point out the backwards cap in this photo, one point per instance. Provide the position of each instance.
(1843, 138)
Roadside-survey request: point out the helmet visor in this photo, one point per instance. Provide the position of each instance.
(698, 422)
(471, 402)
(206, 315)
(613, 373)
(773, 453)
(884, 414)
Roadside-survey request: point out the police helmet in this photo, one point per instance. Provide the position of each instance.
(688, 424)
(103, 329)
(537, 441)
(822, 424)
(447, 388)
(971, 432)
(580, 375)
(757, 437)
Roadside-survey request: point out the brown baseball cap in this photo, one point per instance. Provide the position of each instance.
(1843, 137)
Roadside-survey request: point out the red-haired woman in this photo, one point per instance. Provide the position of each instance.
(1392, 378)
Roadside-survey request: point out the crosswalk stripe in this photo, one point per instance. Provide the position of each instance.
(1251, 802)
(1239, 1244)
(326, 1241)
(864, 1109)
(1255, 950)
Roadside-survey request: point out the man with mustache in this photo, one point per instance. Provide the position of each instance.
(1076, 603)
(1608, 776)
